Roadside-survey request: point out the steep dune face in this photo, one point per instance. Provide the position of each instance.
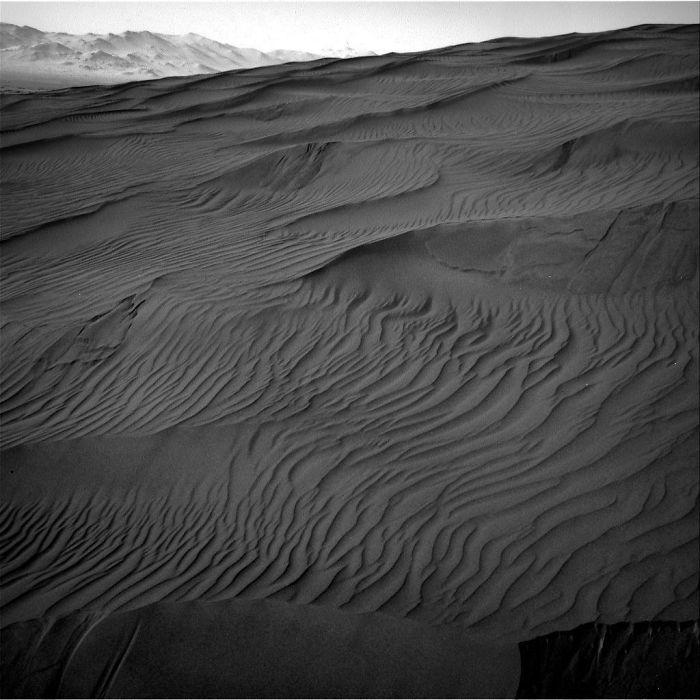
(643, 660)
(407, 334)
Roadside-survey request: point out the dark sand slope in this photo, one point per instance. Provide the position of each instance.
(415, 335)
(254, 649)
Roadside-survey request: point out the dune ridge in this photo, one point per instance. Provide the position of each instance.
(413, 335)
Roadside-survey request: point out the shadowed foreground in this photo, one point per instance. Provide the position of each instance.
(643, 660)
(413, 337)
(254, 649)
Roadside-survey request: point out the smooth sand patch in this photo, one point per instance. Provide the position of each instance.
(248, 648)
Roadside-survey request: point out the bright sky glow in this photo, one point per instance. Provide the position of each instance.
(378, 26)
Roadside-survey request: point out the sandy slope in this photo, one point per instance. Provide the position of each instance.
(409, 334)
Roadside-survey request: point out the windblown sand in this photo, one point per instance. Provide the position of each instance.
(410, 336)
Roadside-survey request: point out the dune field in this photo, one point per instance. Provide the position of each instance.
(344, 378)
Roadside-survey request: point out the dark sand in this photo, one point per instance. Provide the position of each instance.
(405, 348)
(243, 648)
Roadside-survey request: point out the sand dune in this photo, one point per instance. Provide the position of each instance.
(411, 334)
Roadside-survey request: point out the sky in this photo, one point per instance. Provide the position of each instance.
(367, 26)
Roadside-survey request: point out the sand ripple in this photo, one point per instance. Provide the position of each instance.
(408, 334)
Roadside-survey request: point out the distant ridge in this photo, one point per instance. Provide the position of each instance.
(35, 59)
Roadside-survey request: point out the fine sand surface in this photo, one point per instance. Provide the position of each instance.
(404, 346)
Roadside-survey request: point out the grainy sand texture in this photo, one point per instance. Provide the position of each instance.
(343, 378)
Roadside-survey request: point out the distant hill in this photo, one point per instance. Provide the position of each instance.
(35, 59)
